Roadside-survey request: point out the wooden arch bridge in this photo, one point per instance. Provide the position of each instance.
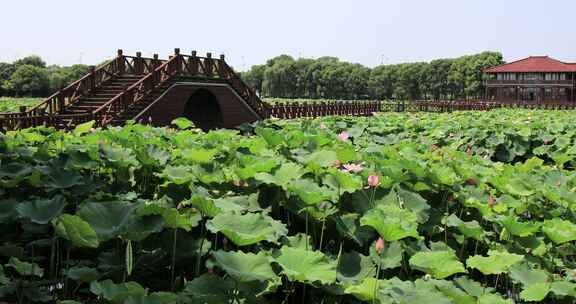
(205, 89)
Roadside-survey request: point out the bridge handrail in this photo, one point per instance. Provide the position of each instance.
(121, 102)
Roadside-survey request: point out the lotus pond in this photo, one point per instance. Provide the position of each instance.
(468, 207)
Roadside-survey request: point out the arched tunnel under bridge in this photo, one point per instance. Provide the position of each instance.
(208, 105)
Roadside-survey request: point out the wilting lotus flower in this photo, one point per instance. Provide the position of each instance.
(354, 168)
(373, 180)
(344, 136)
(322, 125)
(379, 245)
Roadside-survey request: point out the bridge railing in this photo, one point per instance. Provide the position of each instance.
(82, 87)
(159, 74)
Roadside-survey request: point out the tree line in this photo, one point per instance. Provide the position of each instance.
(31, 77)
(330, 78)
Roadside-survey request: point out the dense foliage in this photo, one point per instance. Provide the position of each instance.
(31, 77)
(327, 77)
(470, 207)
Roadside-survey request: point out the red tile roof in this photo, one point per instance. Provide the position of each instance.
(540, 64)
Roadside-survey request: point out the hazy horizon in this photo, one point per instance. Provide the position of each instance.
(251, 32)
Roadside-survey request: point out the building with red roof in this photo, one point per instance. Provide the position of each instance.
(536, 79)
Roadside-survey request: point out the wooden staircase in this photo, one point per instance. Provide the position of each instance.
(122, 88)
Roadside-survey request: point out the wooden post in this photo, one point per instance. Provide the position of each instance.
(92, 70)
(138, 64)
(120, 62)
(221, 66)
(208, 64)
(193, 63)
(178, 60)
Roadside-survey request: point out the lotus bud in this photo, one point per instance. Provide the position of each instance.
(433, 147)
(343, 136)
(337, 164)
(379, 245)
(491, 202)
(180, 205)
(92, 130)
(373, 180)
(471, 181)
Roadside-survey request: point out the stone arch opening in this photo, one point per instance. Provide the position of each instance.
(203, 109)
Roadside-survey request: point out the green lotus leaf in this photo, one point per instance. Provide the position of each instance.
(310, 193)
(62, 179)
(178, 175)
(320, 159)
(353, 267)
(342, 181)
(526, 275)
(247, 229)
(153, 298)
(76, 230)
(364, 291)
(559, 231)
(415, 202)
(272, 137)
(246, 267)
(108, 219)
(300, 240)
(493, 299)
(201, 156)
(183, 123)
(440, 264)
(563, 288)
(209, 289)
(517, 228)
(42, 211)
(470, 229)
(83, 274)
(116, 293)
(282, 177)
(25, 268)
(535, 292)
(392, 222)
(306, 266)
(349, 226)
(3, 279)
(83, 128)
(390, 257)
(14, 171)
(8, 211)
(495, 263)
(450, 290)
(173, 218)
(239, 203)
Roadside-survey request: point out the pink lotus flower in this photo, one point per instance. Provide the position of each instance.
(337, 163)
(373, 180)
(343, 136)
(379, 245)
(354, 168)
(322, 125)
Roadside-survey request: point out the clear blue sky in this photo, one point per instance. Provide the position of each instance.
(250, 32)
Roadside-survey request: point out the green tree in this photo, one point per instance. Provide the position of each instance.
(28, 80)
